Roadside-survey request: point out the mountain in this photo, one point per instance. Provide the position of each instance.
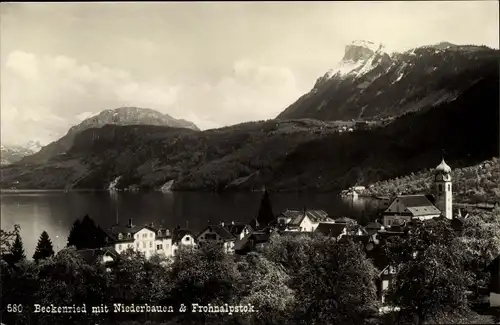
(294, 154)
(371, 84)
(13, 153)
(148, 156)
(118, 116)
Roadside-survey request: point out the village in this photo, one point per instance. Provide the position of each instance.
(241, 238)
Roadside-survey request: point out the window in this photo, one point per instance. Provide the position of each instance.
(449, 187)
(138, 245)
(150, 244)
(120, 236)
(129, 235)
(119, 246)
(143, 244)
(159, 233)
(440, 187)
(144, 235)
(159, 246)
(151, 235)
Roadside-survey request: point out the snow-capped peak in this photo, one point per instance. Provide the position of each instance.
(369, 45)
(34, 146)
(359, 58)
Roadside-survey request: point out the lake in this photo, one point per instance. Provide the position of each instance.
(55, 212)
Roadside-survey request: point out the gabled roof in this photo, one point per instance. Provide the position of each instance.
(254, 223)
(345, 220)
(317, 216)
(119, 229)
(236, 228)
(297, 217)
(92, 255)
(331, 229)
(179, 233)
(220, 231)
(259, 237)
(417, 205)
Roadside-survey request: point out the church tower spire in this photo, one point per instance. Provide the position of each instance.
(443, 189)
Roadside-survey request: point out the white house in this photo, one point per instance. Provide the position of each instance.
(219, 235)
(145, 239)
(305, 221)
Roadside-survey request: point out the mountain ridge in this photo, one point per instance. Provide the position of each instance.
(117, 116)
(373, 85)
(13, 153)
(377, 136)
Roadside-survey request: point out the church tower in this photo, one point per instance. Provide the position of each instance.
(442, 188)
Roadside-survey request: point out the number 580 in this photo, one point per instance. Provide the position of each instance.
(13, 308)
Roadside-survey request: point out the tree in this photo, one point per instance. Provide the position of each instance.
(6, 237)
(265, 215)
(431, 285)
(481, 241)
(265, 286)
(85, 234)
(44, 248)
(69, 278)
(432, 280)
(334, 282)
(17, 250)
(203, 276)
(75, 235)
(336, 285)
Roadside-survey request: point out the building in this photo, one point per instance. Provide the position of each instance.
(145, 239)
(255, 241)
(106, 256)
(306, 220)
(374, 227)
(217, 235)
(408, 207)
(385, 279)
(345, 220)
(335, 230)
(182, 238)
(443, 189)
(237, 229)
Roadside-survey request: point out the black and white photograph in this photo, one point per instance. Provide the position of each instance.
(240, 163)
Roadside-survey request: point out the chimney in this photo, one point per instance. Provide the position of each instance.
(130, 222)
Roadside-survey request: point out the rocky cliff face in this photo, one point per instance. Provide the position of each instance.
(370, 83)
(120, 116)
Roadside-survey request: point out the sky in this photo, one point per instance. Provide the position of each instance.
(215, 64)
